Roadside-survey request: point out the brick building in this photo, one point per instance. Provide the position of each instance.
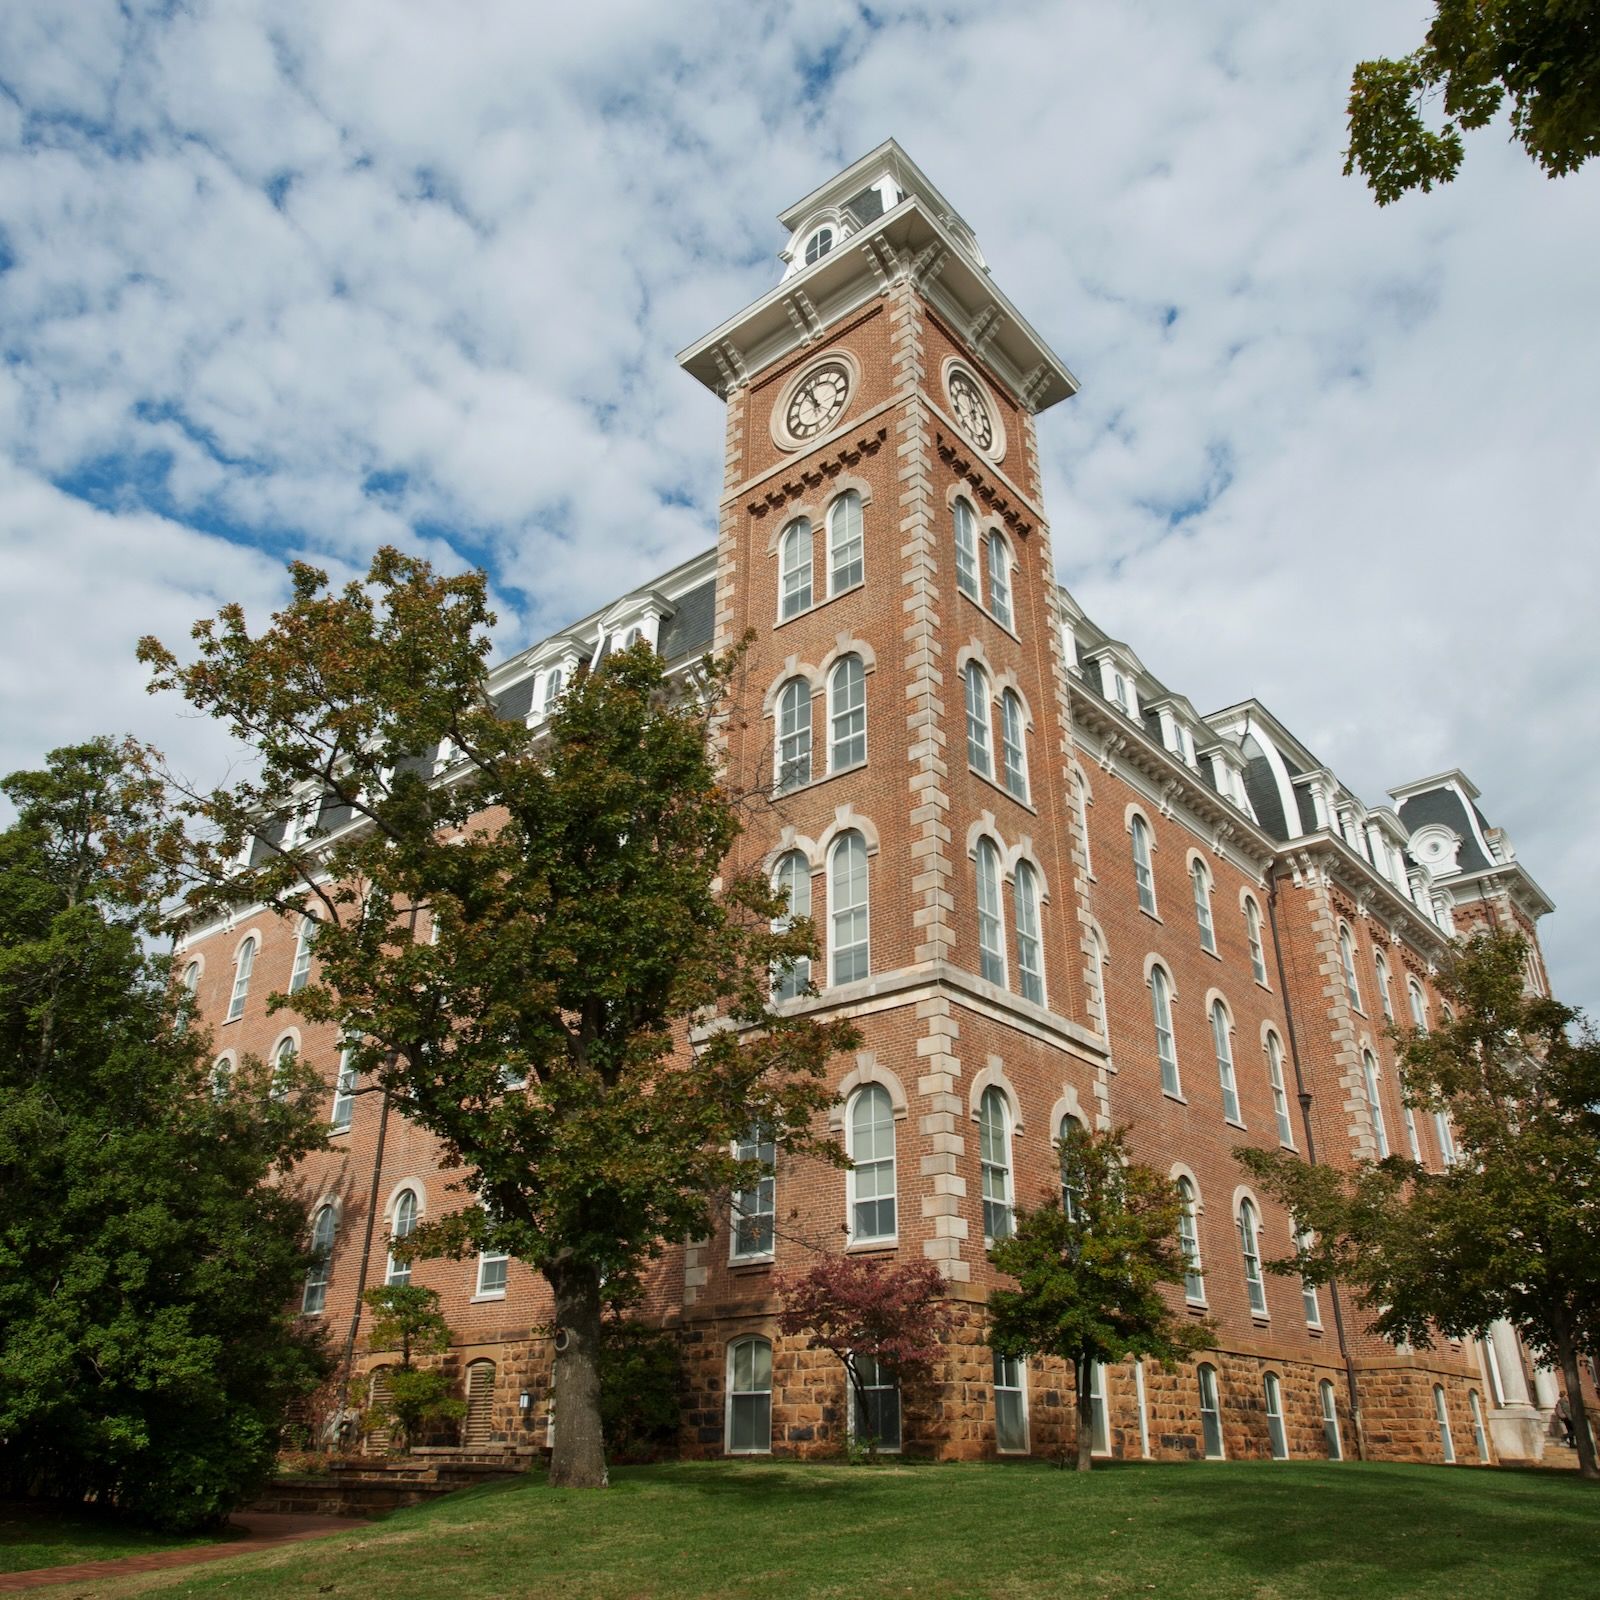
(1046, 887)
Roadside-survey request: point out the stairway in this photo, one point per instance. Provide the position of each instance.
(364, 1487)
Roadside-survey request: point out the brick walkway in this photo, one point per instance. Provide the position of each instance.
(262, 1530)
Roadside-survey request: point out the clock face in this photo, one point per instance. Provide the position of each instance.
(817, 400)
(971, 409)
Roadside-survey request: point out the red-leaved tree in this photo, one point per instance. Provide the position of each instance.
(877, 1319)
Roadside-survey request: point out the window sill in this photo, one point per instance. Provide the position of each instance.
(1196, 1308)
(342, 1129)
(1006, 628)
(1153, 916)
(1178, 1099)
(863, 1247)
(819, 605)
(1212, 953)
(1261, 1319)
(813, 783)
(484, 1299)
(1010, 794)
(1233, 1122)
(750, 1263)
(1266, 987)
(1314, 1330)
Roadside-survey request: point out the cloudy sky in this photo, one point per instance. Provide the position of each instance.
(289, 278)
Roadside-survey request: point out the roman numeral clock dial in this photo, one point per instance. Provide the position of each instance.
(817, 401)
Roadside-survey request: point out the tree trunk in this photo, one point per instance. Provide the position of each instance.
(1085, 1404)
(578, 1457)
(1567, 1355)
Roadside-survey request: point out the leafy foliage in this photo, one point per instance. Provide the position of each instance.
(1541, 55)
(640, 1390)
(585, 1024)
(1090, 1276)
(1510, 1228)
(411, 1400)
(858, 1306)
(146, 1355)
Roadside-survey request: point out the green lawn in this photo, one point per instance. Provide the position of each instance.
(773, 1532)
(32, 1536)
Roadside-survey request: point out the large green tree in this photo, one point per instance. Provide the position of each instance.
(533, 940)
(1511, 1228)
(1543, 56)
(147, 1355)
(1090, 1263)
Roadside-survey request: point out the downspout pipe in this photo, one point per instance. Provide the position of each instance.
(1303, 1095)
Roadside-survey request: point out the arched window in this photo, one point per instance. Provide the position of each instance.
(221, 1077)
(1409, 1117)
(553, 681)
(1447, 1142)
(991, 938)
(1369, 1074)
(871, 1178)
(1250, 1251)
(1419, 1006)
(794, 569)
(1280, 1096)
(1222, 1043)
(975, 686)
(1010, 1405)
(405, 1221)
(1347, 959)
(966, 550)
(242, 963)
(791, 879)
(315, 1296)
(1330, 1421)
(1302, 1240)
(755, 1207)
(848, 928)
(1099, 1434)
(344, 1093)
(1071, 1177)
(1166, 1044)
(1200, 880)
(1194, 1284)
(1479, 1438)
(875, 1406)
(794, 734)
(994, 1155)
(1098, 956)
(847, 714)
(1272, 1392)
(1080, 801)
(749, 1422)
(282, 1069)
(1210, 1411)
(1030, 950)
(846, 548)
(1252, 929)
(1380, 969)
(1142, 873)
(1441, 1413)
(188, 985)
(1013, 746)
(999, 580)
(300, 974)
(818, 245)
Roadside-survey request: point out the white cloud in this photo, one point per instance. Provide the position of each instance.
(270, 250)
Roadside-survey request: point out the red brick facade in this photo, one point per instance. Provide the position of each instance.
(936, 1033)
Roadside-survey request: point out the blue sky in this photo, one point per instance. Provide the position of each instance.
(297, 279)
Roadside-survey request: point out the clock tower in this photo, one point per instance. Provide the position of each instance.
(904, 707)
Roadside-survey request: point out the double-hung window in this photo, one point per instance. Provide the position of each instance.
(846, 548)
(848, 925)
(874, 1404)
(1369, 1075)
(1250, 1251)
(315, 1295)
(1013, 749)
(794, 569)
(1030, 949)
(1252, 928)
(404, 1224)
(344, 1092)
(1210, 1412)
(999, 580)
(1194, 1283)
(300, 974)
(749, 1397)
(1280, 1097)
(794, 734)
(791, 880)
(847, 714)
(1010, 1404)
(966, 550)
(975, 687)
(242, 965)
(1143, 874)
(991, 937)
(755, 1206)
(994, 1151)
(1166, 1044)
(871, 1180)
(1221, 1031)
(1201, 881)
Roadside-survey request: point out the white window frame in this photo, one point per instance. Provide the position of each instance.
(992, 966)
(1441, 1415)
(1280, 1092)
(1143, 867)
(243, 965)
(820, 242)
(847, 714)
(795, 560)
(966, 526)
(1249, 1227)
(1277, 1434)
(342, 1116)
(998, 1197)
(847, 549)
(872, 1095)
(757, 1206)
(284, 1053)
(1194, 1282)
(999, 558)
(484, 1286)
(752, 1342)
(1227, 1077)
(791, 877)
(1007, 1369)
(1013, 745)
(1200, 882)
(1166, 1038)
(1332, 1440)
(1347, 959)
(1480, 1438)
(314, 1297)
(300, 973)
(402, 1224)
(1258, 953)
(1299, 1239)
(882, 1382)
(1380, 969)
(1210, 1413)
(1030, 940)
(1369, 1075)
(849, 909)
(793, 766)
(975, 697)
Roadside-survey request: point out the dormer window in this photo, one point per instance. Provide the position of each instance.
(818, 245)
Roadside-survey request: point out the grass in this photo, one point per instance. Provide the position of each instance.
(40, 1536)
(1254, 1530)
